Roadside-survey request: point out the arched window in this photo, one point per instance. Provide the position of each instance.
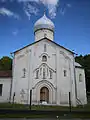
(65, 73)
(80, 77)
(50, 74)
(44, 75)
(44, 58)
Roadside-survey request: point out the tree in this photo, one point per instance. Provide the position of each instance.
(80, 60)
(5, 63)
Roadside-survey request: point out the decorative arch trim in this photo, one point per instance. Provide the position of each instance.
(45, 65)
(44, 54)
(44, 83)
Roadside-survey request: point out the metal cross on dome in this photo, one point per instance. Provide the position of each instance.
(44, 11)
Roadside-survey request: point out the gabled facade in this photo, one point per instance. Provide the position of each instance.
(48, 69)
(48, 66)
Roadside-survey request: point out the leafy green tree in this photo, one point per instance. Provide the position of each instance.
(5, 63)
(80, 60)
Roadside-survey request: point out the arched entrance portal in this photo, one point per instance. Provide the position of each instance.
(44, 94)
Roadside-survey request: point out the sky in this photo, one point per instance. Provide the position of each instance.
(71, 19)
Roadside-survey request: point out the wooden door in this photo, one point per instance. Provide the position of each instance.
(44, 94)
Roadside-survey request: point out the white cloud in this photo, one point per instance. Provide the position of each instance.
(50, 4)
(69, 5)
(6, 0)
(52, 7)
(28, 0)
(6, 12)
(29, 10)
(52, 11)
(64, 9)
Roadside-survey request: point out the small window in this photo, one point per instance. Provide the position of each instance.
(24, 73)
(37, 74)
(47, 71)
(44, 58)
(45, 35)
(65, 73)
(80, 77)
(50, 74)
(44, 74)
(40, 71)
(44, 47)
(1, 86)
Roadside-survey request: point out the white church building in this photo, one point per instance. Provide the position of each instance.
(48, 69)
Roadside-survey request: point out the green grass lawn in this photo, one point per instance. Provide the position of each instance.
(42, 107)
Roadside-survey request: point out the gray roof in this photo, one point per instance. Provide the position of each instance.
(6, 74)
(77, 64)
(42, 40)
(44, 22)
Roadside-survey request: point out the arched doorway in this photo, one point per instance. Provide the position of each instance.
(44, 94)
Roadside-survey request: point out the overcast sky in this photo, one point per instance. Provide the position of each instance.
(71, 19)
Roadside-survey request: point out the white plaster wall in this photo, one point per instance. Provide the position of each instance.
(58, 59)
(5, 89)
(21, 60)
(37, 61)
(81, 86)
(40, 34)
(66, 84)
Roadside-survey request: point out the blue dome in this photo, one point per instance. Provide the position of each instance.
(44, 22)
